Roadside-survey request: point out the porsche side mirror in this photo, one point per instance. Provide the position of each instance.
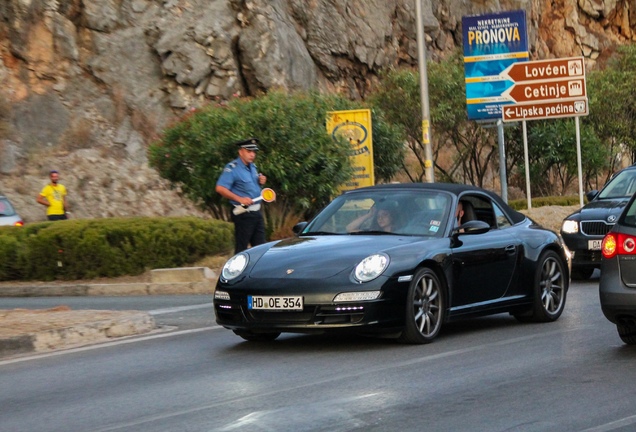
(299, 227)
(472, 227)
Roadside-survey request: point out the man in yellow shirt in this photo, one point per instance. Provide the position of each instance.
(53, 196)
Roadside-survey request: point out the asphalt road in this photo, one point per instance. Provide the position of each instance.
(488, 374)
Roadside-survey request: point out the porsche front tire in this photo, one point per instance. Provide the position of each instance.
(425, 308)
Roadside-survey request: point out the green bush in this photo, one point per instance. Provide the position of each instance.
(89, 248)
(522, 204)
(302, 161)
(8, 256)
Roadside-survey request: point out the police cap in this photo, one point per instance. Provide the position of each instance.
(249, 144)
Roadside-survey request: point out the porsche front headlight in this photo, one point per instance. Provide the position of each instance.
(235, 266)
(570, 226)
(371, 267)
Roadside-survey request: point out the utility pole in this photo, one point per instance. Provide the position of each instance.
(426, 124)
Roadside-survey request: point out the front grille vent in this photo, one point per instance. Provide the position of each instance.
(595, 228)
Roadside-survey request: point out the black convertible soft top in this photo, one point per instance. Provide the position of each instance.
(456, 189)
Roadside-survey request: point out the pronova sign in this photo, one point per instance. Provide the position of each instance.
(492, 43)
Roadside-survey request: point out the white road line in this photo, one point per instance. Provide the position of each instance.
(181, 309)
(620, 423)
(127, 340)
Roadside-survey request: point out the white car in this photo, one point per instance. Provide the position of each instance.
(8, 215)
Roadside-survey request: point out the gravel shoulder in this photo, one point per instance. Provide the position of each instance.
(550, 216)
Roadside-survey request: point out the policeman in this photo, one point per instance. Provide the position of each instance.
(240, 182)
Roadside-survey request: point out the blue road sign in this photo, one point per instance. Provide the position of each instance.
(492, 42)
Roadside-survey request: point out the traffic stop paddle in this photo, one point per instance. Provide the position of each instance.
(267, 195)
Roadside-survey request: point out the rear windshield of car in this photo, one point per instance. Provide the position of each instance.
(629, 217)
(5, 208)
(620, 186)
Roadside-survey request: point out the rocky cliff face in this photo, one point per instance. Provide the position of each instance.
(87, 84)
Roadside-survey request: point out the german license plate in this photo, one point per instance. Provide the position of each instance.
(594, 244)
(290, 303)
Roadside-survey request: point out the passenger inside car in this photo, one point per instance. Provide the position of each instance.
(381, 217)
(468, 211)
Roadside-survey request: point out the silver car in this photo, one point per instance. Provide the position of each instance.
(8, 215)
(617, 288)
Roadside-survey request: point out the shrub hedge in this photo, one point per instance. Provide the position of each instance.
(90, 248)
(564, 201)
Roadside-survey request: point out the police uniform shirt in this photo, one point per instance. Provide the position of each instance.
(240, 179)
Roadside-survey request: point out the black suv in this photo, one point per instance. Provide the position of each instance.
(583, 230)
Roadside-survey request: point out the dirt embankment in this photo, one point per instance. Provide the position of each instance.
(550, 216)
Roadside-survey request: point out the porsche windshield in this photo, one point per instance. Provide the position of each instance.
(384, 212)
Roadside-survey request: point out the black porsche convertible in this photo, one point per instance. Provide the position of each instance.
(397, 260)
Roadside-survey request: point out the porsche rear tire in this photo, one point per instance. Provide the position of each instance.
(425, 308)
(549, 290)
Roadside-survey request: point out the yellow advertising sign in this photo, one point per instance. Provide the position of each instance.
(355, 125)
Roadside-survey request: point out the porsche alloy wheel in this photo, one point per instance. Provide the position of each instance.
(424, 308)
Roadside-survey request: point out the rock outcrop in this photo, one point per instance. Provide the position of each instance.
(86, 85)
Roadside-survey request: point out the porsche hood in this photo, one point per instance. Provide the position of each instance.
(321, 257)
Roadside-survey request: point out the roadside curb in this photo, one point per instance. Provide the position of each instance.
(123, 289)
(62, 328)
(26, 331)
(176, 281)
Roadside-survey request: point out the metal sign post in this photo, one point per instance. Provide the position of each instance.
(578, 159)
(502, 161)
(429, 169)
(525, 156)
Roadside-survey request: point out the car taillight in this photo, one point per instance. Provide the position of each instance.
(627, 242)
(608, 247)
(621, 244)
